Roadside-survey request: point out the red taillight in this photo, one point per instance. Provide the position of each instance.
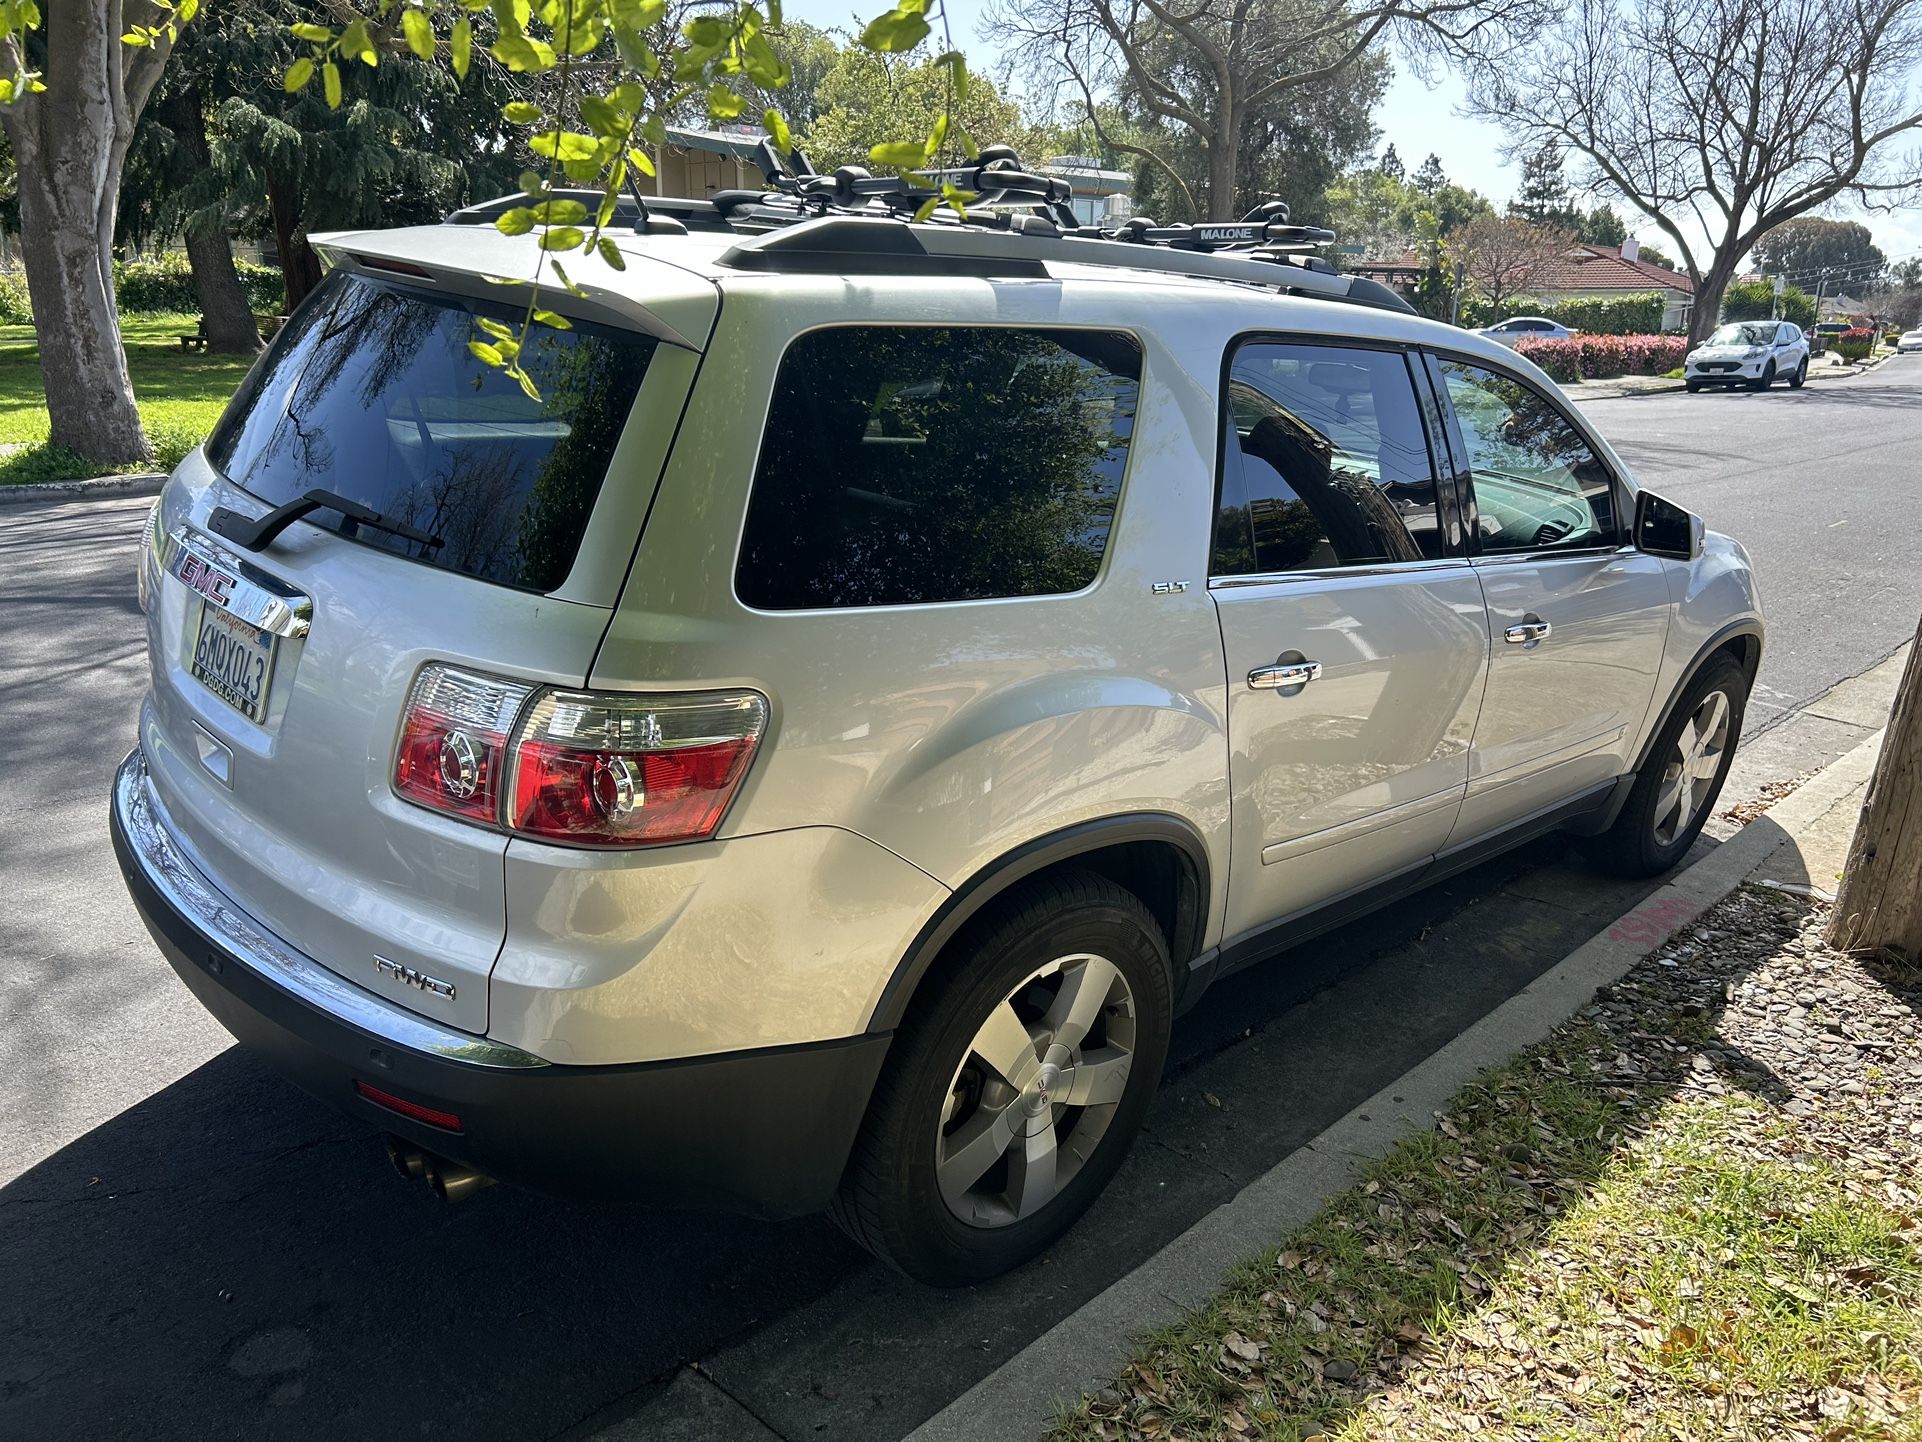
(453, 741)
(433, 1116)
(608, 770)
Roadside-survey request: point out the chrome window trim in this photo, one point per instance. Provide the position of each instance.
(1574, 553)
(256, 598)
(1336, 573)
(181, 884)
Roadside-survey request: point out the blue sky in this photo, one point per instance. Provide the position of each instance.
(1416, 117)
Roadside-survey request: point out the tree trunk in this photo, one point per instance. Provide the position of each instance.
(1708, 298)
(70, 145)
(1224, 149)
(1880, 905)
(224, 306)
(299, 266)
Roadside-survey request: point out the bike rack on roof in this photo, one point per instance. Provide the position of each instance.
(851, 222)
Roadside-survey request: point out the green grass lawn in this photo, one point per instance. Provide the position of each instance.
(181, 395)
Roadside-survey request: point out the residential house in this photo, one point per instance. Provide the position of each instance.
(1601, 272)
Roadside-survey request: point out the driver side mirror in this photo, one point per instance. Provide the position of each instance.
(1663, 528)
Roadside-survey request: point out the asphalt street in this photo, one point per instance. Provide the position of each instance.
(190, 1248)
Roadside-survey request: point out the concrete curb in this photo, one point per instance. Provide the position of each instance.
(1091, 1345)
(141, 483)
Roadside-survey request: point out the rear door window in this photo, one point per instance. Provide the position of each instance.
(905, 465)
(1324, 462)
(371, 392)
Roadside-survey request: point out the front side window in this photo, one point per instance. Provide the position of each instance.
(911, 464)
(1324, 462)
(1538, 484)
(370, 391)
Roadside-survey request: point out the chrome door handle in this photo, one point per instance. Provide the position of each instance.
(1526, 633)
(1276, 678)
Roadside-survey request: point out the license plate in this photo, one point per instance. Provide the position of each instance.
(234, 659)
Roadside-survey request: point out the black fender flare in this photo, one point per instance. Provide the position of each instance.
(1030, 857)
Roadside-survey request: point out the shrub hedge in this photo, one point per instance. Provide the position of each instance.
(15, 308)
(166, 283)
(1637, 314)
(1595, 357)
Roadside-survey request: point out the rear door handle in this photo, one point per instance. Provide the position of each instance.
(1276, 678)
(1527, 633)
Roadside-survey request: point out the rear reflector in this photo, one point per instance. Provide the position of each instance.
(400, 1106)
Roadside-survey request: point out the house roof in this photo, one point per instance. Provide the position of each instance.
(1602, 267)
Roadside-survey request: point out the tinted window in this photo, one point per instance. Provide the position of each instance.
(1324, 462)
(1538, 485)
(956, 463)
(371, 392)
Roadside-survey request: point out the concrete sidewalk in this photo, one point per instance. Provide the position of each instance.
(1799, 845)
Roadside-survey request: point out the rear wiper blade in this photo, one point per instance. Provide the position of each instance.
(257, 535)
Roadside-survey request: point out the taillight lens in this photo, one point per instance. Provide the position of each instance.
(454, 741)
(597, 769)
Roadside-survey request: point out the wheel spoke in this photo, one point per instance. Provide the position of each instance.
(1031, 1169)
(1706, 765)
(1005, 1045)
(1712, 716)
(972, 1150)
(1084, 991)
(1686, 742)
(1670, 798)
(1100, 1078)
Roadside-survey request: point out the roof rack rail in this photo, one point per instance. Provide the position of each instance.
(853, 244)
(851, 222)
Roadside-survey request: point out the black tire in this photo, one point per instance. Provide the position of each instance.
(1692, 386)
(1765, 380)
(1801, 374)
(891, 1201)
(1638, 844)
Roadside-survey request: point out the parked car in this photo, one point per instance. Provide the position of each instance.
(1909, 340)
(806, 755)
(1752, 353)
(1525, 327)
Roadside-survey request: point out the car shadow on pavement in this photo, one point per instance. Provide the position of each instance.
(232, 1257)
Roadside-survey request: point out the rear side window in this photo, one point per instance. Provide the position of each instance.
(905, 465)
(1324, 462)
(371, 392)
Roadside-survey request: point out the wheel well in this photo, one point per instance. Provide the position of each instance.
(1168, 875)
(1747, 650)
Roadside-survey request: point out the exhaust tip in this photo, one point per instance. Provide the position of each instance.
(407, 1159)
(453, 1181)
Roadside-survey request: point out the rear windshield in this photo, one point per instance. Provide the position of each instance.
(371, 392)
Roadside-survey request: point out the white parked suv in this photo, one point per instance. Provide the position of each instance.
(1752, 353)
(807, 756)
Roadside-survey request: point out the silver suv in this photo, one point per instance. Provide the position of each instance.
(805, 750)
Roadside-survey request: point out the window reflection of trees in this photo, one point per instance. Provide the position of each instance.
(907, 465)
(376, 396)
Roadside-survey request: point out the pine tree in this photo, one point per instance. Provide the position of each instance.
(1391, 165)
(1544, 198)
(1602, 226)
(1431, 177)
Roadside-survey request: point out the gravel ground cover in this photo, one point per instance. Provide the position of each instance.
(1694, 1212)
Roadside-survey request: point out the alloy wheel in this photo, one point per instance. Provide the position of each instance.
(1692, 767)
(1036, 1092)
